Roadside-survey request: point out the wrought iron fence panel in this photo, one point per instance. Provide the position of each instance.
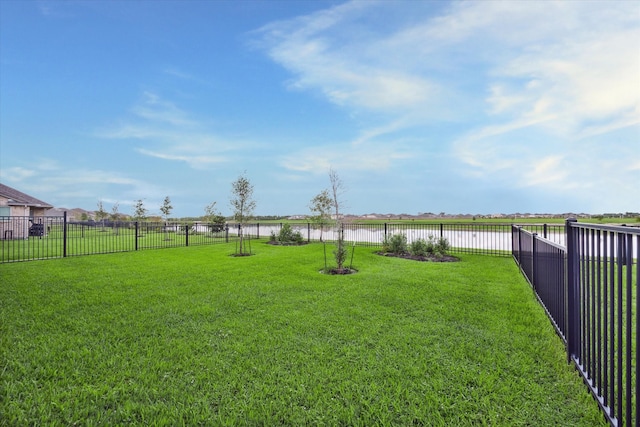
(590, 292)
(30, 238)
(75, 238)
(203, 233)
(604, 345)
(89, 237)
(549, 276)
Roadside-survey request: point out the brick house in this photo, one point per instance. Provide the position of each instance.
(21, 215)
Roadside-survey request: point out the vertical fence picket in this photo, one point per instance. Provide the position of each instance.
(64, 235)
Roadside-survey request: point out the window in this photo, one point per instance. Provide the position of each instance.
(5, 211)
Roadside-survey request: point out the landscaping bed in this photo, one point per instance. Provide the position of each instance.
(423, 258)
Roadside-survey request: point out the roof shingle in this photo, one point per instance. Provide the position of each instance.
(19, 198)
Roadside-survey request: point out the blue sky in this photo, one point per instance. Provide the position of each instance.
(420, 106)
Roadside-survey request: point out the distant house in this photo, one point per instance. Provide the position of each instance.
(297, 217)
(19, 212)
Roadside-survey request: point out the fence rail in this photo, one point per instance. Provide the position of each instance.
(590, 292)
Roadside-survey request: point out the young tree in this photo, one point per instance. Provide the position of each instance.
(242, 203)
(166, 211)
(321, 206)
(337, 188)
(166, 208)
(212, 216)
(101, 214)
(115, 216)
(139, 211)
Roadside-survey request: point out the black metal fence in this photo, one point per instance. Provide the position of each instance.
(591, 294)
(474, 238)
(25, 238)
(34, 238)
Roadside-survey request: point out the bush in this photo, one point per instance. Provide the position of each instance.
(396, 243)
(432, 246)
(287, 235)
(421, 247)
(216, 224)
(441, 247)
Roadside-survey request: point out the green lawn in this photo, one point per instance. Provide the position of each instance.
(192, 336)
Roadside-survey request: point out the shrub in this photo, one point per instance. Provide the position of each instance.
(420, 247)
(432, 246)
(441, 247)
(287, 235)
(216, 224)
(396, 243)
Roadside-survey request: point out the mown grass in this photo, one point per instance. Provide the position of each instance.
(192, 336)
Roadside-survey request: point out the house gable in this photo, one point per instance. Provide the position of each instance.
(17, 203)
(12, 197)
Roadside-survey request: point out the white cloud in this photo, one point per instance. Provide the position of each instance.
(52, 182)
(322, 52)
(367, 135)
(534, 82)
(195, 161)
(17, 174)
(128, 131)
(158, 110)
(317, 160)
(172, 133)
(548, 170)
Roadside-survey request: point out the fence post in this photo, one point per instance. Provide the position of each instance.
(544, 230)
(308, 232)
(572, 291)
(515, 243)
(534, 254)
(258, 230)
(226, 233)
(441, 230)
(186, 233)
(64, 234)
(519, 246)
(385, 231)
(137, 231)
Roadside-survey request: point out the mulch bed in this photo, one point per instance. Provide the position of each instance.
(276, 243)
(429, 258)
(339, 271)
